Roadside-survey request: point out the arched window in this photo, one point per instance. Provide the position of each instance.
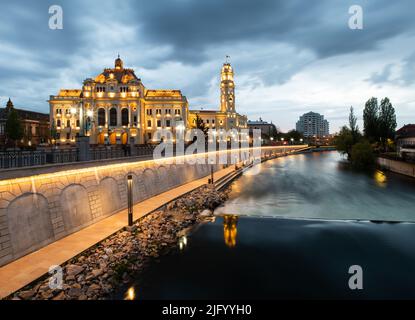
(124, 117)
(113, 117)
(101, 117)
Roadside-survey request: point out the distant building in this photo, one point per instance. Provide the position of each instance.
(313, 124)
(405, 140)
(267, 129)
(35, 125)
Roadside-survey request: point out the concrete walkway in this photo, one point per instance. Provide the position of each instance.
(23, 271)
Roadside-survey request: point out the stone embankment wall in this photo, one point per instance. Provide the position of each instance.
(46, 204)
(401, 167)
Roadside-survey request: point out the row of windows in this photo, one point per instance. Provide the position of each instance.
(159, 111)
(159, 123)
(67, 111)
(68, 123)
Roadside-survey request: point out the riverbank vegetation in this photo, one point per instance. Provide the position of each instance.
(379, 123)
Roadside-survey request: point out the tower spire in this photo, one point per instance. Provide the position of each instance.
(227, 58)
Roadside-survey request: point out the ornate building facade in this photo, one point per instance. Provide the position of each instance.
(116, 108)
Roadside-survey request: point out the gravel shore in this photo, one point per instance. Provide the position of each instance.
(102, 269)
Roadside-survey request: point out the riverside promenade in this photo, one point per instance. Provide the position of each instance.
(26, 269)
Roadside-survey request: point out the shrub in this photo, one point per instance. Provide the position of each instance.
(362, 156)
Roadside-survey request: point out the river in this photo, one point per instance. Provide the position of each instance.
(292, 231)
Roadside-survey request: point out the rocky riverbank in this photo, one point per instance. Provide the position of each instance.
(102, 269)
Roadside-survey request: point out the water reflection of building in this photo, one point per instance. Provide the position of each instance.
(230, 229)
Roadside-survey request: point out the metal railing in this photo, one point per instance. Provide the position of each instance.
(15, 159)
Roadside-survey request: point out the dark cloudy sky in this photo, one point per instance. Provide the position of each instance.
(289, 56)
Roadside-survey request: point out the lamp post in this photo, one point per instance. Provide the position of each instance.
(211, 174)
(130, 199)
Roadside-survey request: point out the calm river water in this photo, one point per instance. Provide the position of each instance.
(256, 250)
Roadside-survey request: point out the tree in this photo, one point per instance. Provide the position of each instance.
(370, 119)
(296, 135)
(344, 141)
(387, 122)
(53, 132)
(354, 128)
(201, 125)
(13, 129)
(362, 156)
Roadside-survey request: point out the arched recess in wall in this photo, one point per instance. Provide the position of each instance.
(181, 173)
(150, 182)
(174, 178)
(76, 211)
(163, 178)
(110, 195)
(29, 223)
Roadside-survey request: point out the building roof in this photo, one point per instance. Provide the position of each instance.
(23, 114)
(118, 73)
(70, 93)
(259, 122)
(407, 131)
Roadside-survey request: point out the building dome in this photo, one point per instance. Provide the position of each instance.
(118, 63)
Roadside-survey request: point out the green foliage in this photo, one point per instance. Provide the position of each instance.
(362, 156)
(370, 119)
(387, 122)
(201, 125)
(354, 128)
(14, 130)
(292, 134)
(344, 141)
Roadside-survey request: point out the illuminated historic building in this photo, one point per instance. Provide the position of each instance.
(226, 118)
(35, 126)
(116, 108)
